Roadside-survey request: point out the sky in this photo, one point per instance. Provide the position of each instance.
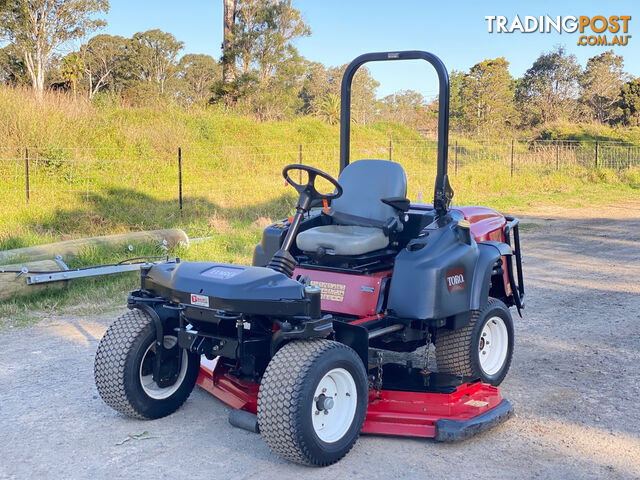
(456, 31)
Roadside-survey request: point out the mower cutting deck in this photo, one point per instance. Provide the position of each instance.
(410, 404)
(310, 344)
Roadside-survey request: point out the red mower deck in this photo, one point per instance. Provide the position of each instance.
(471, 408)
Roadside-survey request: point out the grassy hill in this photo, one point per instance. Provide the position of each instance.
(100, 168)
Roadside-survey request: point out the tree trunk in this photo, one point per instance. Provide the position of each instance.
(12, 285)
(36, 73)
(228, 59)
(72, 248)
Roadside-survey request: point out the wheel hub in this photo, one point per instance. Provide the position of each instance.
(324, 402)
(171, 371)
(334, 405)
(493, 345)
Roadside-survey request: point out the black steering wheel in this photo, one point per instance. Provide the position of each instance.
(309, 190)
(282, 260)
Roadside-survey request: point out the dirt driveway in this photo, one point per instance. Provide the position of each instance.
(575, 383)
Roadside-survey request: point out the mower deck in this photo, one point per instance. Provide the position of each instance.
(443, 407)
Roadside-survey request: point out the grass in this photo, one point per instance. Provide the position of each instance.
(99, 170)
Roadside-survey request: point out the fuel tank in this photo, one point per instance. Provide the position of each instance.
(432, 276)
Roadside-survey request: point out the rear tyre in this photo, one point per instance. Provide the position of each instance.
(312, 402)
(482, 349)
(124, 365)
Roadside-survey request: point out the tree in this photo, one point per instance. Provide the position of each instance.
(549, 89)
(284, 24)
(319, 82)
(487, 97)
(106, 61)
(260, 44)
(154, 54)
(198, 74)
(330, 109)
(405, 106)
(629, 103)
(363, 95)
(71, 69)
(228, 57)
(13, 71)
(601, 83)
(38, 27)
(455, 100)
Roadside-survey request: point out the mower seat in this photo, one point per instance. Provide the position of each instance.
(359, 217)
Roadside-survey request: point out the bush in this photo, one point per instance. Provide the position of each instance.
(602, 175)
(631, 176)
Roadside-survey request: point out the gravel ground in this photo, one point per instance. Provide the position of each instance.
(574, 381)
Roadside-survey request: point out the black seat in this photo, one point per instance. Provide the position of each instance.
(359, 215)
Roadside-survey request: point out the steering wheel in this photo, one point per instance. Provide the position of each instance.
(309, 190)
(282, 260)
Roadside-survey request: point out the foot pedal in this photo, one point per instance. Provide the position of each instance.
(245, 420)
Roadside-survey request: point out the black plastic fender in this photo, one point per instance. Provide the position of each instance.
(488, 255)
(503, 248)
(354, 336)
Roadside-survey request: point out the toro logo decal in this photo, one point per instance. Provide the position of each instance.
(201, 300)
(455, 280)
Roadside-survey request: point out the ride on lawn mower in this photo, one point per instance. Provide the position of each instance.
(299, 343)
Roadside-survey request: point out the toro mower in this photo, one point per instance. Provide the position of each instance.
(312, 345)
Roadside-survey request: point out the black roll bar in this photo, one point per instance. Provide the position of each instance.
(442, 192)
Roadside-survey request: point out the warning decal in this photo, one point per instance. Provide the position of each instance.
(333, 292)
(201, 300)
(476, 403)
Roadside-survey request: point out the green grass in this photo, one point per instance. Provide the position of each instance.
(101, 170)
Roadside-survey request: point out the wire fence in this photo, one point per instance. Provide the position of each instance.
(236, 175)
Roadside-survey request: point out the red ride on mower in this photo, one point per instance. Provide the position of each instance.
(303, 345)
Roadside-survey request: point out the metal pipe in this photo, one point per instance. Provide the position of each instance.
(293, 230)
(84, 273)
(385, 330)
(26, 171)
(180, 176)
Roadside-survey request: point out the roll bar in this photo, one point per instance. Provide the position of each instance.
(442, 192)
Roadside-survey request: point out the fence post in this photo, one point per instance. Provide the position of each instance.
(512, 157)
(180, 176)
(596, 154)
(455, 159)
(628, 156)
(26, 171)
(390, 147)
(557, 157)
(300, 162)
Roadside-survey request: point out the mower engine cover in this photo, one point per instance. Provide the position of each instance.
(203, 280)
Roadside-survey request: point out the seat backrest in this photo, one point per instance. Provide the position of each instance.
(365, 183)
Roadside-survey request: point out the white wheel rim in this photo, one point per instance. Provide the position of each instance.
(493, 345)
(149, 385)
(331, 424)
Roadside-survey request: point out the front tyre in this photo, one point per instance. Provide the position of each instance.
(123, 369)
(482, 349)
(312, 402)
